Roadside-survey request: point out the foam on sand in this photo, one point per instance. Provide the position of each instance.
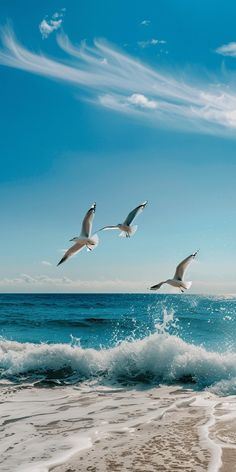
(63, 422)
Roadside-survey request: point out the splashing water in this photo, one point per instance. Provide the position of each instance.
(168, 321)
(158, 339)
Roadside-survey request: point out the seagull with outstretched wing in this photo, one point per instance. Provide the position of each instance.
(178, 279)
(126, 228)
(85, 239)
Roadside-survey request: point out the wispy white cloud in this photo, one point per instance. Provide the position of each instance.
(171, 99)
(133, 104)
(151, 42)
(142, 101)
(48, 25)
(44, 282)
(46, 263)
(145, 23)
(227, 50)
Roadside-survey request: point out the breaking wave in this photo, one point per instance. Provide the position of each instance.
(159, 358)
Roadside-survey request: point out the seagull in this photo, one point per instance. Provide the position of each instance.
(126, 229)
(85, 238)
(177, 280)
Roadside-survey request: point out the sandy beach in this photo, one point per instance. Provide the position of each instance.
(169, 442)
(98, 428)
(195, 433)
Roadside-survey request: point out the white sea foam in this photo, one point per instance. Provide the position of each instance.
(79, 443)
(161, 357)
(204, 433)
(42, 428)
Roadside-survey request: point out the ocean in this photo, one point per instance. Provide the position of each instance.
(67, 338)
(57, 350)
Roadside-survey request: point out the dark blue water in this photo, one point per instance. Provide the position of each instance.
(104, 319)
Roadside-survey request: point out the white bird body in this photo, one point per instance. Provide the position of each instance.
(126, 228)
(177, 281)
(85, 239)
(127, 231)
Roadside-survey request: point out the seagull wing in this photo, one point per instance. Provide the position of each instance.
(132, 215)
(181, 268)
(87, 222)
(106, 228)
(157, 286)
(77, 247)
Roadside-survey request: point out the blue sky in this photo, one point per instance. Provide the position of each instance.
(117, 103)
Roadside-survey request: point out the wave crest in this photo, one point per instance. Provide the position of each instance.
(160, 358)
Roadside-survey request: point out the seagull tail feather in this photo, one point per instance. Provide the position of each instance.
(95, 241)
(186, 285)
(132, 231)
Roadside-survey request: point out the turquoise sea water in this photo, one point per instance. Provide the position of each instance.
(127, 337)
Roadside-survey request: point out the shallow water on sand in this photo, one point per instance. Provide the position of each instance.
(169, 428)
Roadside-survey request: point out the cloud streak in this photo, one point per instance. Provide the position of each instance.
(111, 78)
(42, 282)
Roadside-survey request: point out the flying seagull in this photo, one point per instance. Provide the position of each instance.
(177, 280)
(126, 229)
(85, 238)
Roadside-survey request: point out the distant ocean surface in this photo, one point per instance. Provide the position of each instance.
(160, 339)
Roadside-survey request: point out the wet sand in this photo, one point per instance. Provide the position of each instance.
(170, 443)
(196, 433)
(102, 428)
